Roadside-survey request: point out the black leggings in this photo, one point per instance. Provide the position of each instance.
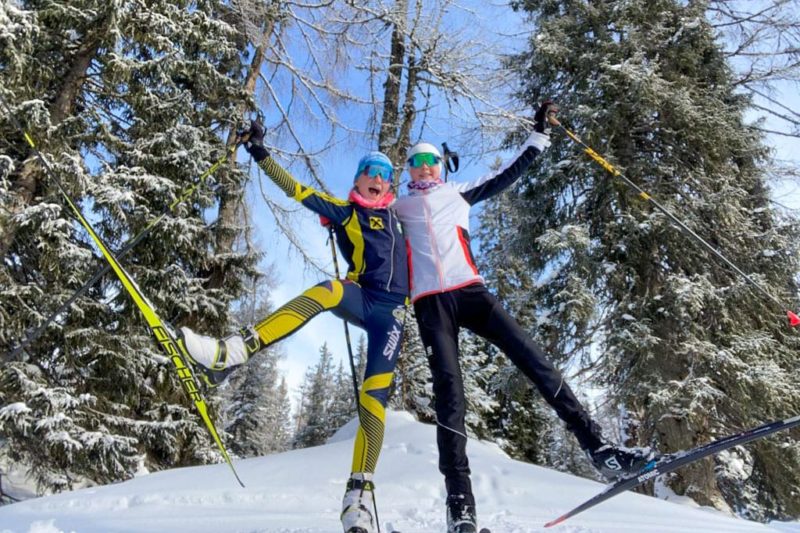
(439, 317)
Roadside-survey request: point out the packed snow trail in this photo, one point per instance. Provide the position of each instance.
(300, 492)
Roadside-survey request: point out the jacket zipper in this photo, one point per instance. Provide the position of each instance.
(434, 247)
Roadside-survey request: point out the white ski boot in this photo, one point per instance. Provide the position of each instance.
(215, 358)
(358, 503)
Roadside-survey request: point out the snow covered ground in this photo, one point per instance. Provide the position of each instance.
(300, 491)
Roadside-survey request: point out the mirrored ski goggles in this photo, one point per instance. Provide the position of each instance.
(373, 170)
(417, 160)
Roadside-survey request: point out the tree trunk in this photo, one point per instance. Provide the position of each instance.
(30, 175)
(698, 480)
(409, 113)
(388, 136)
(231, 192)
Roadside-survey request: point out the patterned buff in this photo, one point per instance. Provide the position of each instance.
(423, 185)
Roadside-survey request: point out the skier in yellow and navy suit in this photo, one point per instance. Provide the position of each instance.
(373, 297)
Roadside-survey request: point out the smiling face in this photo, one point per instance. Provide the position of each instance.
(424, 162)
(372, 188)
(425, 172)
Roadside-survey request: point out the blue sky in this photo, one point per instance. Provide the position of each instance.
(337, 167)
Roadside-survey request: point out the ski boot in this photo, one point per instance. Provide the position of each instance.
(357, 504)
(461, 514)
(614, 462)
(213, 358)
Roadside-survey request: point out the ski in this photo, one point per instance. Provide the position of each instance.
(182, 197)
(163, 333)
(672, 462)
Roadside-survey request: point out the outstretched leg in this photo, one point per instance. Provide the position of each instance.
(487, 318)
(215, 358)
(297, 312)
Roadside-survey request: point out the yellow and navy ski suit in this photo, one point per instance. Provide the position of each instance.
(373, 296)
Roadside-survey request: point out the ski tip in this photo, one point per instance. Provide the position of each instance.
(556, 521)
(794, 320)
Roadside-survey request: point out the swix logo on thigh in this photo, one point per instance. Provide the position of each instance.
(391, 344)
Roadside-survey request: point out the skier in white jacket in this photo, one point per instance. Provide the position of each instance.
(449, 293)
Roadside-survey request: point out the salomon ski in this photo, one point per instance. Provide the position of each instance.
(670, 463)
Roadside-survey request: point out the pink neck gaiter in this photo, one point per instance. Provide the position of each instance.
(383, 203)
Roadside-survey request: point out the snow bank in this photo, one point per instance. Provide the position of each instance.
(300, 492)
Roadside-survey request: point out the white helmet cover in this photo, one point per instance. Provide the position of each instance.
(423, 148)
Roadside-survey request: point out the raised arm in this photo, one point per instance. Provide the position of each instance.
(332, 208)
(495, 182)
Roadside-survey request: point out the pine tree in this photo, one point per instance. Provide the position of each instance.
(258, 409)
(361, 358)
(523, 424)
(692, 353)
(314, 424)
(343, 402)
(476, 357)
(412, 388)
(125, 101)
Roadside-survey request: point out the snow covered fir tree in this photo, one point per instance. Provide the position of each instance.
(689, 351)
(132, 103)
(128, 112)
(327, 401)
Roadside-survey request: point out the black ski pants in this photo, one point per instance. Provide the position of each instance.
(440, 316)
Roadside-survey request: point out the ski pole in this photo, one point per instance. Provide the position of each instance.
(450, 160)
(794, 320)
(185, 195)
(332, 241)
(162, 331)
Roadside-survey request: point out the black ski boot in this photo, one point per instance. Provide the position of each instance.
(614, 462)
(461, 516)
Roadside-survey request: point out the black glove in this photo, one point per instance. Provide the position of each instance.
(547, 109)
(253, 140)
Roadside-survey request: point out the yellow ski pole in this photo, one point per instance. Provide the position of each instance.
(794, 320)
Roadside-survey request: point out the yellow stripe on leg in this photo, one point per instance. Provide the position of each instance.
(294, 314)
(372, 417)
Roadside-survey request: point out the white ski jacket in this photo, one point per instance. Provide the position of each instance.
(436, 224)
